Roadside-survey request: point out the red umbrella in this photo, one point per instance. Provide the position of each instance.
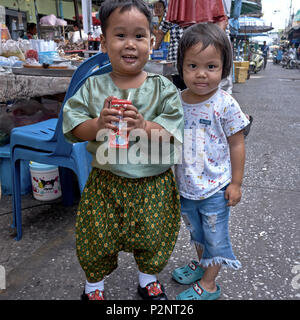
(188, 12)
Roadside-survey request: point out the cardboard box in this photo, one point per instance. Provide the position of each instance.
(240, 74)
(244, 64)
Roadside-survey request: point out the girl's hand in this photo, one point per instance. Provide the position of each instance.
(133, 118)
(108, 115)
(233, 194)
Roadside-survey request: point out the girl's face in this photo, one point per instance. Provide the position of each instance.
(127, 41)
(202, 72)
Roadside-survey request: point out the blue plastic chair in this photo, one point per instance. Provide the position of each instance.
(44, 142)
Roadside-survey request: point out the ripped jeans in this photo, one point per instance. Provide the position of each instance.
(208, 223)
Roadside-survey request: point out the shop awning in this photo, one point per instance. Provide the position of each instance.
(188, 12)
(242, 7)
(297, 17)
(250, 25)
(253, 25)
(248, 7)
(294, 34)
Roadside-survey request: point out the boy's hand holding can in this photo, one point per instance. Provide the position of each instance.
(120, 116)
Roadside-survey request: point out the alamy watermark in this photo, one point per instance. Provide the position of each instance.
(162, 148)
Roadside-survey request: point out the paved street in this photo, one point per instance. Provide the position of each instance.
(264, 226)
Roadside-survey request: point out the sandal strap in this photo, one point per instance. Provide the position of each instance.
(197, 288)
(193, 265)
(96, 295)
(154, 289)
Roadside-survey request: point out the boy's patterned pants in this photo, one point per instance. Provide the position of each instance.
(121, 214)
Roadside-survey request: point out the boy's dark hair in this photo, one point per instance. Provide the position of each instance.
(207, 34)
(109, 6)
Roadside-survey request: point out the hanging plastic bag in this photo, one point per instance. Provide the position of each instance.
(60, 22)
(48, 20)
(11, 48)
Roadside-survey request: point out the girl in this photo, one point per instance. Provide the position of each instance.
(129, 207)
(210, 182)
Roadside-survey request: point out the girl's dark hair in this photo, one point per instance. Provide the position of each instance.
(108, 6)
(207, 34)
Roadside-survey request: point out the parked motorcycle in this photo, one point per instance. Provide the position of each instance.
(256, 61)
(275, 61)
(289, 60)
(284, 60)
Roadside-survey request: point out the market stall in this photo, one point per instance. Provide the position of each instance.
(36, 67)
(248, 27)
(26, 71)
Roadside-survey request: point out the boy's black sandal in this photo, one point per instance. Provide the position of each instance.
(152, 291)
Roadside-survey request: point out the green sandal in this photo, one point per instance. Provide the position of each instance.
(188, 274)
(196, 292)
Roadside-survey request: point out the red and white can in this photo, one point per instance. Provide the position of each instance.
(119, 138)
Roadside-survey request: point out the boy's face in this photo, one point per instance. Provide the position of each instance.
(202, 72)
(127, 41)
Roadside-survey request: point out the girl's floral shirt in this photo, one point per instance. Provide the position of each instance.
(205, 165)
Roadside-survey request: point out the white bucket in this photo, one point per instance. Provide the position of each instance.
(45, 181)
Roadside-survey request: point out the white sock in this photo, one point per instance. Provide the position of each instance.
(145, 279)
(90, 287)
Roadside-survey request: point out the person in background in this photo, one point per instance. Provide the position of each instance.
(265, 51)
(75, 27)
(74, 36)
(293, 50)
(159, 10)
(175, 34)
(226, 84)
(31, 31)
(279, 55)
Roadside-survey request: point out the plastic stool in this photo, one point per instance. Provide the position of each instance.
(5, 173)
